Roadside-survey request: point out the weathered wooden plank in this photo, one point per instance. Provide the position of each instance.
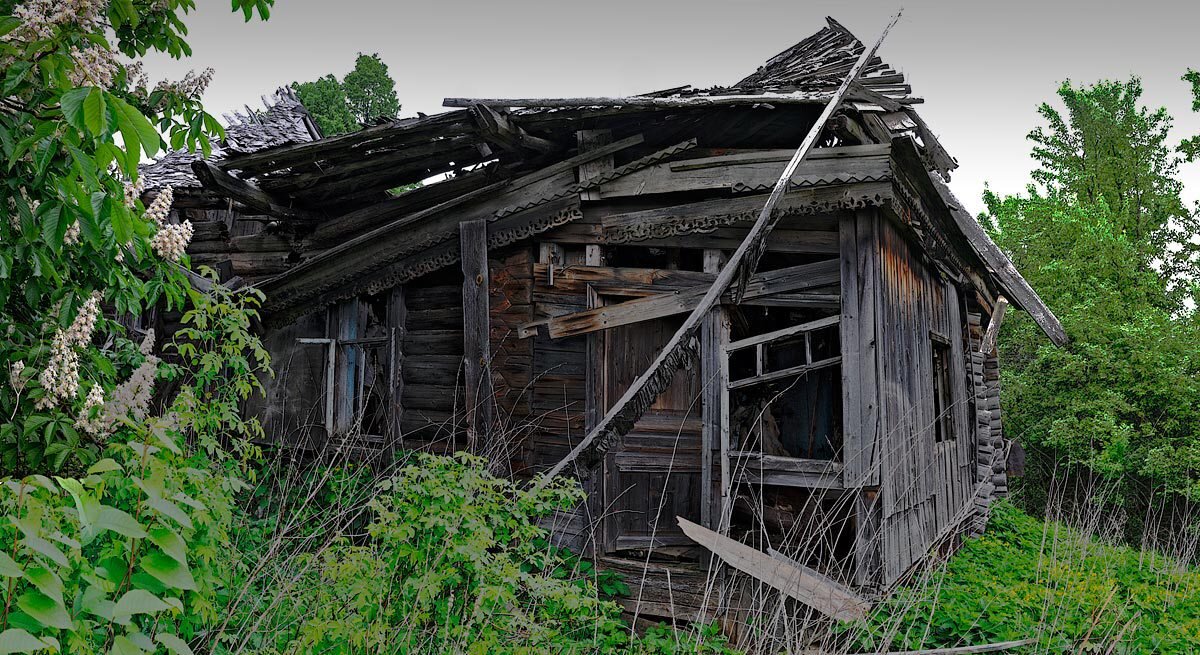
(394, 133)
(957, 650)
(746, 174)
(498, 129)
(397, 321)
(707, 215)
(1002, 268)
(789, 578)
(714, 334)
(787, 280)
(248, 194)
(476, 344)
(798, 97)
(993, 329)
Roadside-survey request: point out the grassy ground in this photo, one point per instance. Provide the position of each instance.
(1029, 578)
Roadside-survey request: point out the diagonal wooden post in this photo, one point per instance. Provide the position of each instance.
(642, 392)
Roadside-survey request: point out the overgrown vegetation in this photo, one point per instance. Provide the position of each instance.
(1106, 240)
(1026, 578)
(439, 557)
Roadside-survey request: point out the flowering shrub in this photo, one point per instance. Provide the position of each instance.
(77, 248)
(128, 557)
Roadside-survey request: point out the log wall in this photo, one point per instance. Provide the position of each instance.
(432, 369)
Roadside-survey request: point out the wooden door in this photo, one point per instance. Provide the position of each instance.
(653, 475)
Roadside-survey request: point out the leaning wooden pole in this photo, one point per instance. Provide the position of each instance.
(641, 394)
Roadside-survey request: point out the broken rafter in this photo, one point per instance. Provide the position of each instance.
(680, 349)
(498, 129)
(247, 194)
(756, 241)
(993, 329)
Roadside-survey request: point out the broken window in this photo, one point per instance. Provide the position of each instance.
(361, 347)
(785, 391)
(943, 414)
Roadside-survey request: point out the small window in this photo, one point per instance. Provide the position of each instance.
(943, 398)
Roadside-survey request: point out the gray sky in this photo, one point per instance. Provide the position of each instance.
(982, 66)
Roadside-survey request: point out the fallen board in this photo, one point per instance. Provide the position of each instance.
(790, 579)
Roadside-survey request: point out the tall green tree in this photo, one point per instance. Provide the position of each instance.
(366, 93)
(1099, 237)
(370, 90)
(325, 99)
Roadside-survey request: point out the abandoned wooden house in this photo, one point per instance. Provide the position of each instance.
(838, 410)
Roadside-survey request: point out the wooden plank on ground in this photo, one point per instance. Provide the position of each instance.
(789, 578)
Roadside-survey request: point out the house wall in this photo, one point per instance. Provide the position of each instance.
(431, 369)
(924, 485)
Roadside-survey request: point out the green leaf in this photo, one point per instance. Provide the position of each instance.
(123, 646)
(46, 582)
(173, 643)
(96, 602)
(16, 640)
(104, 466)
(121, 224)
(53, 227)
(169, 509)
(120, 522)
(171, 543)
(72, 107)
(137, 601)
(45, 610)
(125, 11)
(168, 571)
(9, 568)
(8, 24)
(131, 120)
(95, 112)
(85, 504)
(39, 545)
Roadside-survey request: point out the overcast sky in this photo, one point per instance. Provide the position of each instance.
(982, 66)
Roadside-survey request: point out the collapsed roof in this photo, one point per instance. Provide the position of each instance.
(512, 161)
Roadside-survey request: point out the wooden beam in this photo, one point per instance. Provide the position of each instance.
(957, 650)
(748, 172)
(476, 348)
(784, 280)
(393, 134)
(714, 334)
(788, 578)
(247, 194)
(1015, 288)
(651, 102)
(397, 324)
(582, 158)
(642, 392)
(992, 335)
(498, 129)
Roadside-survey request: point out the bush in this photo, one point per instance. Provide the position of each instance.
(128, 558)
(451, 560)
